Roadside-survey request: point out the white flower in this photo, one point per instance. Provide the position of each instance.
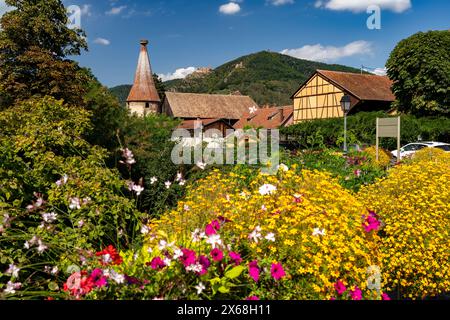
(256, 234)
(201, 165)
(54, 270)
(283, 167)
(6, 219)
(163, 245)
(153, 180)
(129, 156)
(198, 235)
(263, 208)
(177, 254)
(267, 189)
(179, 177)
(80, 224)
(182, 182)
(138, 189)
(86, 200)
(13, 271)
(116, 277)
(186, 208)
(168, 184)
(106, 258)
(319, 232)
(11, 287)
(197, 268)
(214, 240)
(49, 217)
(26, 245)
(41, 247)
(150, 250)
(145, 230)
(270, 237)
(200, 288)
(62, 181)
(74, 204)
(167, 262)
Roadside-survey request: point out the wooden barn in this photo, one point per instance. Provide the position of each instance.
(320, 96)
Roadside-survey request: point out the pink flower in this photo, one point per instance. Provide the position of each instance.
(217, 255)
(340, 287)
(385, 297)
(216, 225)
(254, 270)
(236, 257)
(277, 271)
(253, 298)
(98, 278)
(157, 263)
(371, 222)
(356, 294)
(210, 230)
(188, 258)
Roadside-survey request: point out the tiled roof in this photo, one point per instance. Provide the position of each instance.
(363, 86)
(208, 106)
(268, 118)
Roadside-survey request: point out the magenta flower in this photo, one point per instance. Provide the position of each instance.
(385, 297)
(371, 222)
(210, 230)
(277, 271)
(340, 287)
(253, 270)
(188, 258)
(253, 298)
(356, 294)
(217, 255)
(216, 225)
(205, 263)
(98, 278)
(236, 257)
(157, 263)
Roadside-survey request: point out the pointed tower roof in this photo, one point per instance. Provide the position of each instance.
(144, 89)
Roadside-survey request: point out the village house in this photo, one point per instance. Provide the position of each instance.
(320, 96)
(212, 111)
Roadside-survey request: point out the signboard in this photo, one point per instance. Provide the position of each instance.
(388, 128)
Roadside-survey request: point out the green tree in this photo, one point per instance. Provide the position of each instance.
(420, 69)
(160, 87)
(34, 44)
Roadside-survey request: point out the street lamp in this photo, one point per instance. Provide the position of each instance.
(345, 105)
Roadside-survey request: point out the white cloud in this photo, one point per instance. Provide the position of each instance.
(178, 74)
(230, 8)
(362, 5)
(86, 10)
(102, 41)
(380, 71)
(280, 2)
(116, 10)
(322, 53)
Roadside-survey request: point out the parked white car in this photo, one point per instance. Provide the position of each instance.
(410, 149)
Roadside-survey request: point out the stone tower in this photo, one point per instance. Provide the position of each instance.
(143, 98)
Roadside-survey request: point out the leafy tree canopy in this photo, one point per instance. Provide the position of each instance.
(420, 69)
(34, 43)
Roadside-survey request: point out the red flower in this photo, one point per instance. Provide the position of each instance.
(109, 256)
(253, 298)
(217, 255)
(277, 271)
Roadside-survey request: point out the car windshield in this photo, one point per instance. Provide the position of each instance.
(414, 147)
(444, 147)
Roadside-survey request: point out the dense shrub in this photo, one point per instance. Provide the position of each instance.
(413, 202)
(57, 198)
(362, 130)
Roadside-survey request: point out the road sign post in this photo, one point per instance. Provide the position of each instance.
(389, 128)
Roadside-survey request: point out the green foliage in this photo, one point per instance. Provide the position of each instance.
(362, 130)
(149, 139)
(267, 77)
(34, 44)
(41, 143)
(420, 69)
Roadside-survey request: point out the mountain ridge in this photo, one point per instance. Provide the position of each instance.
(268, 77)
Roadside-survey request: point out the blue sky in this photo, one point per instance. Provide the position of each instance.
(185, 34)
